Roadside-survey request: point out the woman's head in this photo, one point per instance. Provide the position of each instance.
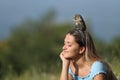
(83, 38)
(71, 47)
(74, 43)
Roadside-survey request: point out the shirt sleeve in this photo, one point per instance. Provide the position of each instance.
(98, 68)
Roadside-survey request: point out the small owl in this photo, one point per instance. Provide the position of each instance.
(77, 19)
(79, 22)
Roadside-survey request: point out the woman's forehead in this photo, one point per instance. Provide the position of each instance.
(69, 38)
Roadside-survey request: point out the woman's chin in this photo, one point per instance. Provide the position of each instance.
(68, 57)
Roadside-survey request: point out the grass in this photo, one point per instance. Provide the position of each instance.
(33, 74)
(27, 76)
(36, 74)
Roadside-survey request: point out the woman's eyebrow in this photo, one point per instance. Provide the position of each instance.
(68, 42)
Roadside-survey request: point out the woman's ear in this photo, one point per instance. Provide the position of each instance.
(82, 50)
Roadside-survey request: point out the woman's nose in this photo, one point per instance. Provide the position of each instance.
(64, 47)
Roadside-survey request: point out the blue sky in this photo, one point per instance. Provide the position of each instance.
(104, 14)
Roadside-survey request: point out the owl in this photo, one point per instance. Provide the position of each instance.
(79, 22)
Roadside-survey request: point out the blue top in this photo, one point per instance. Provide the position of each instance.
(96, 68)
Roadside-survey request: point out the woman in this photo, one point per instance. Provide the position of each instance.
(79, 58)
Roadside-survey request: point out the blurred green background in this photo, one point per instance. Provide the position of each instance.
(31, 38)
(32, 50)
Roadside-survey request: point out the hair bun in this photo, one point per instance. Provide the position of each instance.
(79, 22)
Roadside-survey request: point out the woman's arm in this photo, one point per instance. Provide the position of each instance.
(65, 66)
(64, 72)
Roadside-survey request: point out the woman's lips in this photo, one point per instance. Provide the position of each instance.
(65, 51)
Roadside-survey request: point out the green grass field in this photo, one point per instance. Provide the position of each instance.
(33, 74)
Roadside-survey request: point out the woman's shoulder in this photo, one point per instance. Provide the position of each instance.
(98, 67)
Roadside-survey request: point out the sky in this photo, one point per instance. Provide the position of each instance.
(104, 15)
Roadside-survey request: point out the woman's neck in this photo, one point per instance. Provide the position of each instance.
(78, 61)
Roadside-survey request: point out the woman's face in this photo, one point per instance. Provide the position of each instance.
(70, 48)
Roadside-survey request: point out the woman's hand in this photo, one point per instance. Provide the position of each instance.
(64, 60)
